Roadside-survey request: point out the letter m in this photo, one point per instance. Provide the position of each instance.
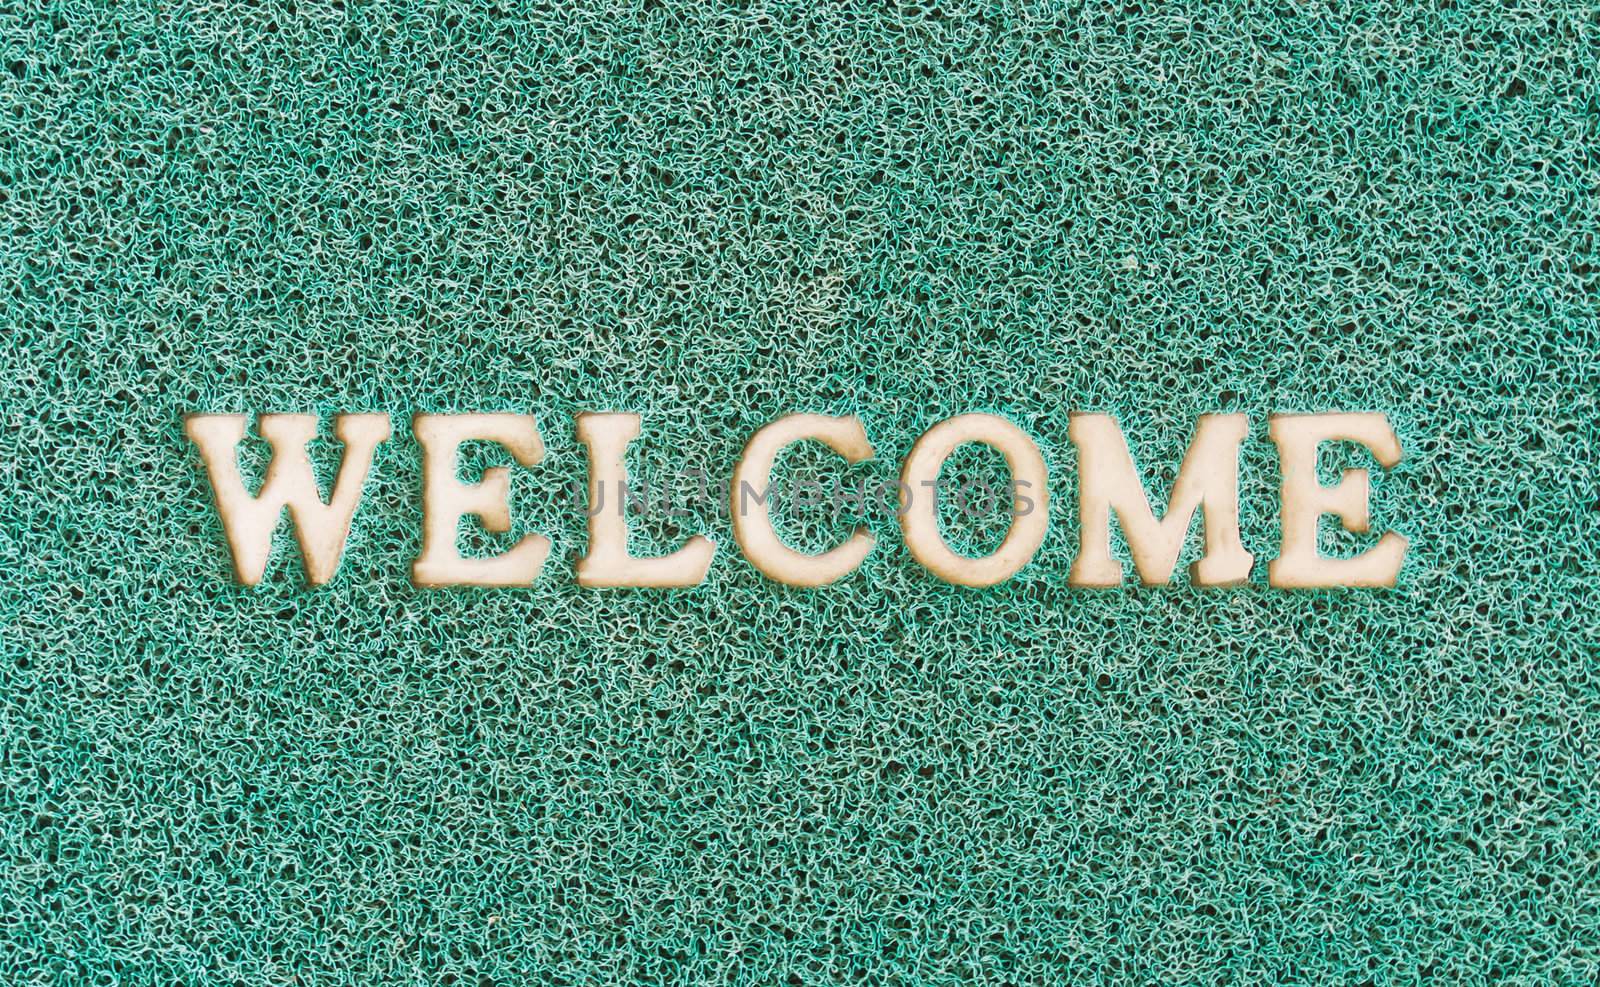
(320, 528)
(1109, 482)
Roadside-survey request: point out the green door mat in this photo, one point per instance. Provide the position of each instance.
(715, 215)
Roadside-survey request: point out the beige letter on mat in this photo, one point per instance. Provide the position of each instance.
(608, 562)
(752, 519)
(1208, 481)
(446, 500)
(920, 520)
(321, 529)
(1305, 500)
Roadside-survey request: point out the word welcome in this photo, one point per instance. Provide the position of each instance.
(1207, 484)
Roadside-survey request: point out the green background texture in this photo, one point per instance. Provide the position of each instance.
(714, 214)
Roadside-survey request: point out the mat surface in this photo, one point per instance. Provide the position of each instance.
(714, 214)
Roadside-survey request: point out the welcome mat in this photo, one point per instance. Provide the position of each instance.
(714, 216)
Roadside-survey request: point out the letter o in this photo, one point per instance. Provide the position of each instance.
(920, 520)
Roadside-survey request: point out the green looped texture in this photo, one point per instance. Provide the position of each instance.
(714, 214)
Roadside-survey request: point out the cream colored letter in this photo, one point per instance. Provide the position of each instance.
(445, 500)
(608, 562)
(1305, 500)
(1208, 481)
(321, 529)
(752, 520)
(919, 478)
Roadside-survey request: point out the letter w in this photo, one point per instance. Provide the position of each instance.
(320, 528)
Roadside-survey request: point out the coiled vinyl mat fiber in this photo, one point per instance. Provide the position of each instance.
(714, 214)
